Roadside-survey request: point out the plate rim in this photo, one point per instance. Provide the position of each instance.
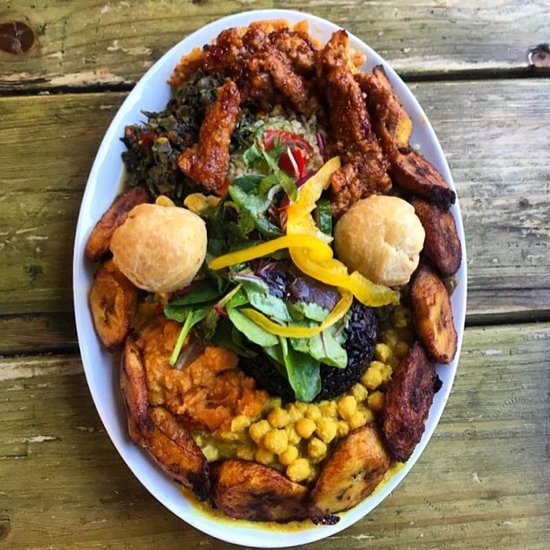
(242, 533)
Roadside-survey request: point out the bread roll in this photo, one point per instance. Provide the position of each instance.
(160, 249)
(381, 237)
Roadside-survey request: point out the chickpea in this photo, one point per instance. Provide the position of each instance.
(293, 436)
(278, 417)
(313, 412)
(305, 427)
(389, 337)
(163, 200)
(288, 456)
(343, 428)
(275, 441)
(357, 419)
(316, 449)
(375, 401)
(264, 457)
(293, 412)
(258, 430)
(298, 470)
(347, 406)
(328, 408)
(372, 377)
(239, 423)
(382, 352)
(359, 392)
(369, 415)
(326, 429)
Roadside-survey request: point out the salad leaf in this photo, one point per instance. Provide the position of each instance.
(325, 348)
(253, 153)
(248, 183)
(286, 182)
(306, 290)
(227, 336)
(202, 291)
(254, 207)
(303, 371)
(250, 329)
(311, 311)
(193, 317)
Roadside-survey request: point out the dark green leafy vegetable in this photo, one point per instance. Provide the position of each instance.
(303, 372)
(323, 216)
(201, 291)
(250, 329)
(192, 317)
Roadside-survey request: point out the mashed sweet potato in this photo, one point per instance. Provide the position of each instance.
(208, 393)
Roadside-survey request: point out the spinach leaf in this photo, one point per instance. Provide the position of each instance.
(286, 182)
(248, 183)
(325, 348)
(227, 336)
(250, 329)
(303, 372)
(253, 153)
(202, 291)
(310, 311)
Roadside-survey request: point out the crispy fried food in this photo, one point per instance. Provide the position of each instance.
(177, 453)
(363, 169)
(408, 402)
(247, 490)
(292, 85)
(352, 472)
(433, 315)
(415, 174)
(113, 302)
(133, 384)
(100, 237)
(391, 122)
(442, 245)
(156, 430)
(207, 161)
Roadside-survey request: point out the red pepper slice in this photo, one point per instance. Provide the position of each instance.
(293, 161)
(286, 138)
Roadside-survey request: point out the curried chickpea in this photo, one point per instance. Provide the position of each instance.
(298, 470)
(382, 352)
(326, 429)
(245, 453)
(347, 406)
(289, 455)
(264, 457)
(343, 428)
(375, 401)
(278, 417)
(275, 441)
(239, 423)
(258, 430)
(293, 436)
(359, 392)
(328, 408)
(316, 449)
(313, 412)
(357, 419)
(372, 378)
(305, 427)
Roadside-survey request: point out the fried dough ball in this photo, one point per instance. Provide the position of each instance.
(381, 237)
(160, 249)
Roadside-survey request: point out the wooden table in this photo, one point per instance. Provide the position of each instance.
(484, 480)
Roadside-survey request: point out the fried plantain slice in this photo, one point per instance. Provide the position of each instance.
(441, 245)
(113, 302)
(408, 402)
(133, 384)
(177, 453)
(352, 472)
(415, 174)
(433, 315)
(247, 490)
(100, 237)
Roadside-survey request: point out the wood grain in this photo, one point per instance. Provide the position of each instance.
(86, 43)
(483, 481)
(501, 166)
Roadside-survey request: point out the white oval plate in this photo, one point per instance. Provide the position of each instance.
(151, 94)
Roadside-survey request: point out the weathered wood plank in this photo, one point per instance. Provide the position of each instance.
(501, 164)
(83, 43)
(483, 482)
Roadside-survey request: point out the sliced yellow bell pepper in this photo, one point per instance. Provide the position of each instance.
(329, 271)
(334, 316)
(299, 219)
(318, 249)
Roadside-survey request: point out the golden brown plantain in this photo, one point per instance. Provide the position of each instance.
(391, 122)
(100, 237)
(408, 402)
(352, 472)
(177, 453)
(247, 490)
(133, 383)
(113, 302)
(441, 245)
(433, 315)
(415, 174)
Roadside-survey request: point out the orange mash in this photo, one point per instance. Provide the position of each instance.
(207, 393)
